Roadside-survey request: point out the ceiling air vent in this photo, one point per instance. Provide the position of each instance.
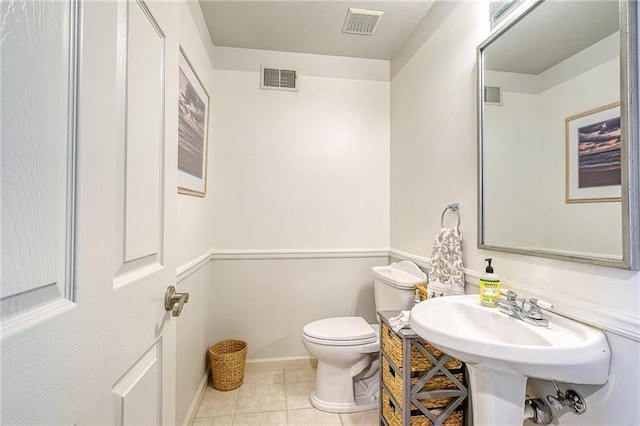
(361, 21)
(278, 79)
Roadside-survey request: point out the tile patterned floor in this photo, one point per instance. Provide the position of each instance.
(273, 397)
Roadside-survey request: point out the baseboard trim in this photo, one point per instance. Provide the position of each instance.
(197, 399)
(284, 363)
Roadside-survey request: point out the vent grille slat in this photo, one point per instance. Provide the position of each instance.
(361, 21)
(271, 77)
(278, 79)
(288, 79)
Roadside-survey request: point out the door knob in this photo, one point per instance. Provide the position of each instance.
(174, 301)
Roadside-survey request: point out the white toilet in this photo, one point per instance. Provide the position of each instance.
(347, 378)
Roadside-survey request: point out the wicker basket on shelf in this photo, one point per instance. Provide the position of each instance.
(394, 383)
(394, 418)
(392, 345)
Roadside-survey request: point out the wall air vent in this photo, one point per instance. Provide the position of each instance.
(278, 79)
(361, 21)
(492, 95)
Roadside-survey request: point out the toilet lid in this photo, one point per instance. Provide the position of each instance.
(341, 331)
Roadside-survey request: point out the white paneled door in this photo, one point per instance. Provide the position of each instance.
(89, 127)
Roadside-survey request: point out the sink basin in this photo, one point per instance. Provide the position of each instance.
(566, 350)
(502, 351)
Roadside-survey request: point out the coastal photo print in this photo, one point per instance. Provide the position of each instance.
(593, 171)
(193, 115)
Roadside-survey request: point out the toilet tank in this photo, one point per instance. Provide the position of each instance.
(393, 285)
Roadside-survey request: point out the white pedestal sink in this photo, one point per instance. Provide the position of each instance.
(501, 352)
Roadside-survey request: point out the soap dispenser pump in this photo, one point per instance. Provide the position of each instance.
(489, 286)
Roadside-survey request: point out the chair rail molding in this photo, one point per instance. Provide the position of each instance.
(195, 264)
(299, 254)
(191, 267)
(421, 261)
(607, 319)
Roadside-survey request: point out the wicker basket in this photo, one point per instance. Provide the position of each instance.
(228, 359)
(394, 381)
(393, 415)
(392, 345)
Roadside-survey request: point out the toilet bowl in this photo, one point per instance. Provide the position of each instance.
(345, 348)
(347, 377)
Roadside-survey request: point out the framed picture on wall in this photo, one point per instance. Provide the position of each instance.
(193, 122)
(593, 172)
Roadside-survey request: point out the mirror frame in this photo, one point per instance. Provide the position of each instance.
(630, 151)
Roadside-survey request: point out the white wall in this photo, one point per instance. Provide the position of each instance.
(195, 326)
(194, 213)
(300, 170)
(433, 132)
(195, 334)
(267, 302)
(297, 207)
(300, 192)
(433, 151)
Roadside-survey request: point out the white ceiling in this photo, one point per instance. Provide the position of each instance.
(553, 32)
(311, 26)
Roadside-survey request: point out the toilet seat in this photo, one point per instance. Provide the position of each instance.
(340, 331)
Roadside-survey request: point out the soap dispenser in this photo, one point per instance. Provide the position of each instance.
(489, 287)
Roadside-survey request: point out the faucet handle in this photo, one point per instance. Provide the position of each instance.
(534, 308)
(510, 295)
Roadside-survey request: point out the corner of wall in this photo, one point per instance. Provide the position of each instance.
(435, 16)
(193, 213)
(200, 25)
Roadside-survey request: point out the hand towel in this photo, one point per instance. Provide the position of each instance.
(400, 322)
(446, 273)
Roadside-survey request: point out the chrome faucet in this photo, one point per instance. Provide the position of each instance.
(532, 316)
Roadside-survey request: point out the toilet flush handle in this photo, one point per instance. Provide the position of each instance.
(174, 301)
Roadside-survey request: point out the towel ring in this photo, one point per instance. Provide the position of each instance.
(454, 207)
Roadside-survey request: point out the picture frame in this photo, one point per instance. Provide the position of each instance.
(193, 124)
(593, 155)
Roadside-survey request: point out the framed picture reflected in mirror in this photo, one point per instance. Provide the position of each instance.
(593, 155)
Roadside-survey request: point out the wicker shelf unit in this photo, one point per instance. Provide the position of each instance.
(419, 385)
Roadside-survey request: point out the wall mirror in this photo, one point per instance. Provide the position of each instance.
(558, 139)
